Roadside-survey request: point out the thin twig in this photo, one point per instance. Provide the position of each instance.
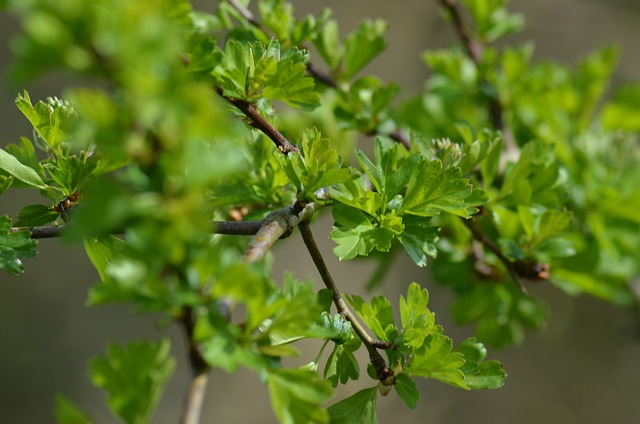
(385, 375)
(259, 122)
(475, 52)
(489, 244)
(312, 70)
(200, 371)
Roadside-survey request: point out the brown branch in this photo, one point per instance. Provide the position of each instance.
(259, 122)
(200, 371)
(473, 48)
(277, 225)
(312, 70)
(385, 375)
(511, 266)
(475, 52)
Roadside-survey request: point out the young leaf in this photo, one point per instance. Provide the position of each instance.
(359, 408)
(54, 120)
(436, 360)
(417, 321)
(319, 166)
(342, 365)
(432, 189)
(377, 314)
(67, 412)
(35, 215)
(419, 239)
(363, 45)
(478, 373)
(406, 388)
(297, 395)
(13, 167)
(14, 246)
(143, 368)
(356, 235)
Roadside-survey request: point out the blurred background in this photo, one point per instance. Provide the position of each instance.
(585, 368)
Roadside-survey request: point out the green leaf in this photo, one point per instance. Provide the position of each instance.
(143, 368)
(621, 113)
(342, 365)
(319, 166)
(70, 172)
(359, 408)
(328, 44)
(13, 167)
(417, 321)
(435, 359)
(356, 235)
(432, 189)
(35, 215)
(297, 395)
(478, 373)
(406, 388)
(363, 45)
(67, 412)
(102, 250)
(14, 246)
(54, 120)
(419, 239)
(291, 84)
(377, 314)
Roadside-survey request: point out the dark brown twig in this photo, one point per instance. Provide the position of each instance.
(385, 375)
(475, 52)
(259, 122)
(489, 244)
(312, 70)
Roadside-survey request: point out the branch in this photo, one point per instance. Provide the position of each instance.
(312, 70)
(258, 121)
(473, 48)
(385, 375)
(474, 51)
(285, 218)
(277, 225)
(199, 372)
(519, 270)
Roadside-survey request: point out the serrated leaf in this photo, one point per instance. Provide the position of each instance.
(406, 388)
(419, 239)
(432, 189)
(328, 44)
(435, 359)
(377, 314)
(67, 412)
(297, 395)
(319, 166)
(13, 167)
(14, 246)
(291, 84)
(478, 373)
(70, 172)
(417, 321)
(143, 368)
(54, 120)
(35, 215)
(359, 408)
(363, 45)
(342, 365)
(356, 235)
